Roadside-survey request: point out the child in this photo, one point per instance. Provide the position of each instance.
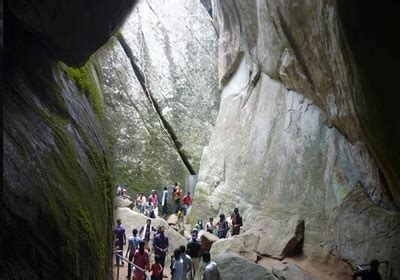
(156, 269)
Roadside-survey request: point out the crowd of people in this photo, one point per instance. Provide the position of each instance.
(184, 261)
(149, 206)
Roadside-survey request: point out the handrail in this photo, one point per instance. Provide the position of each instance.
(129, 262)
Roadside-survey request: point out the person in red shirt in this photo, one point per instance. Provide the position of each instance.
(156, 269)
(141, 259)
(187, 201)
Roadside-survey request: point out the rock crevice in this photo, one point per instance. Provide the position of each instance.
(169, 130)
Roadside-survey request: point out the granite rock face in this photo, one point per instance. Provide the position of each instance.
(160, 87)
(72, 30)
(56, 218)
(293, 132)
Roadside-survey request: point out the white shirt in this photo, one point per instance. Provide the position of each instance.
(179, 273)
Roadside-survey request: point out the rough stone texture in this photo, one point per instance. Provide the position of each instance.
(56, 171)
(57, 184)
(143, 154)
(120, 202)
(290, 271)
(233, 266)
(307, 45)
(290, 137)
(161, 91)
(243, 244)
(72, 29)
(358, 229)
(291, 232)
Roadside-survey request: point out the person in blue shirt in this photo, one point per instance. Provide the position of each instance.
(133, 245)
(120, 237)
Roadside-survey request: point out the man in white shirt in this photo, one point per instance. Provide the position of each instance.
(187, 262)
(177, 267)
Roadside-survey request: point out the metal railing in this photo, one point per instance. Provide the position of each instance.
(119, 253)
(361, 267)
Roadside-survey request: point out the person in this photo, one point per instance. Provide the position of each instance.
(140, 202)
(199, 225)
(149, 210)
(141, 260)
(156, 269)
(160, 245)
(153, 198)
(222, 226)
(210, 226)
(119, 191)
(180, 216)
(133, 245)
(193, 250)
(211, 271)
(177, 267)
(164, 202)
(177, 196)
(371, 274)
(237, 222)
(187, 201)
(125, 192)
(187, 262)
(145, 232)
(119, 234)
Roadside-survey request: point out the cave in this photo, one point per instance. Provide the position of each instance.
(284, 109)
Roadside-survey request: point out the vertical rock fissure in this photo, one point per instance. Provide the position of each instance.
(164, 123)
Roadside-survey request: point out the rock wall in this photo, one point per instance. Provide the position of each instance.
(56, 218)
(292, 134)
(160, 86)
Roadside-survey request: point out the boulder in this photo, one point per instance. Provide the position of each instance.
(278, 238)
(233, 266)
(290, 271)
(172, 220)
(244, 245)
(120, 202)
(207, 239)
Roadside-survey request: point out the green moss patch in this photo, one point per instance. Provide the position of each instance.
(86, 82)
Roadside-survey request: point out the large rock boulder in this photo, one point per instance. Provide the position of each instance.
(161, 92)
(120, 202)
(289, 272)
(207, 239)
(233, 266)
(287, 241)
(243, 244)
